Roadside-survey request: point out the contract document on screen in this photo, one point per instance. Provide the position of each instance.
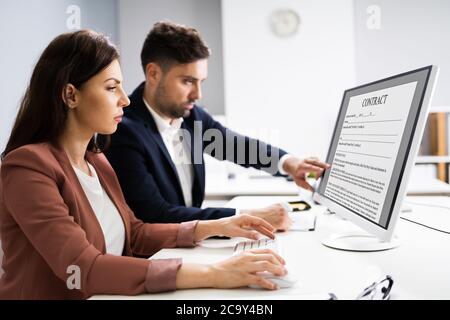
(368, 145)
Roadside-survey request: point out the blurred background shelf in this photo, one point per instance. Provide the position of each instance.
(432, 159)
(437, 109)
(434, 149)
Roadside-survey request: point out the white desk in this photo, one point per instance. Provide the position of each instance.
(218, 187)
(420, 266)
(428, 187)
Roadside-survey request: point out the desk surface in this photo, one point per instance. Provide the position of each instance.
(419, 266)
(219, 187)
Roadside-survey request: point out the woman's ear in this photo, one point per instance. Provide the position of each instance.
(69, 96)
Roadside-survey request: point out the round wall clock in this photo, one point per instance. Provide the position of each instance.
(284, 22)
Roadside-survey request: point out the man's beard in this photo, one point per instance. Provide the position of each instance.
(170, 109)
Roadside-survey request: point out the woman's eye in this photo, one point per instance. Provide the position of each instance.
(112, 89)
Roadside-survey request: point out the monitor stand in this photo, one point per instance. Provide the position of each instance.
(358, 242)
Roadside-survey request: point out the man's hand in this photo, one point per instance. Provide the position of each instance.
(275, 214)
(299, 169)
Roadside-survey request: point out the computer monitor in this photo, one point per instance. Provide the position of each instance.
(373, 148)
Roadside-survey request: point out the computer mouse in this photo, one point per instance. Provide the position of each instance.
(285, 281)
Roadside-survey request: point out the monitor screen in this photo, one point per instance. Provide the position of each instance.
(378, 129)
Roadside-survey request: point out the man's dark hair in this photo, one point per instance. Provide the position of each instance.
(169, 43)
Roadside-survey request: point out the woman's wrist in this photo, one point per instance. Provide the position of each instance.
(206, 229)
(192, 275)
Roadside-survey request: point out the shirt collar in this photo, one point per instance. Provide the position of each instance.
(162, 124)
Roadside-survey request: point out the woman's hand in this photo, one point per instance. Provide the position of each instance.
(237, 271)
(246, 226)
(242, 270)
(275, 214)
(242, 225)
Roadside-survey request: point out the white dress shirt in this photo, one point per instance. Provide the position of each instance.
(282, 161)
(180, 152)
(106, 212)
(178, 149)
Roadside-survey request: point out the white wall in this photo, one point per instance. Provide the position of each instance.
(412, 34)
(136, 17)
(290, 85)
(26, 28)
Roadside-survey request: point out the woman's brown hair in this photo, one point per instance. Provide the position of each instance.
(70, 58)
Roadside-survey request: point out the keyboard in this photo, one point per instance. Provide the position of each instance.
(265, 243)
(285, 281)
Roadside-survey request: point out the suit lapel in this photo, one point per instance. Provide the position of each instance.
(142, 113)
(156, 136)
(197, 186)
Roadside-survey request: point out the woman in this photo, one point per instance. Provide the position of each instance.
(66, 230)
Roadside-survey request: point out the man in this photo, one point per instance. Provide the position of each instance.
(157, 151)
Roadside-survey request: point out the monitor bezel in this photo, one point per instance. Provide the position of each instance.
(385, 234)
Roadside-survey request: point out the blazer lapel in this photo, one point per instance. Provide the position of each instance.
(64, 161)
(115, 198)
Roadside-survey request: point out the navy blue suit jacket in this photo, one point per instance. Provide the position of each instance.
(147, 174)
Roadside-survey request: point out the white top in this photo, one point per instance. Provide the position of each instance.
(106, 212)
(179, 152)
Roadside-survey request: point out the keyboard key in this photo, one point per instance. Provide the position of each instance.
(265, 243)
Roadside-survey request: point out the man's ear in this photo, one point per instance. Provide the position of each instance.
(153, 73)
(70, 96)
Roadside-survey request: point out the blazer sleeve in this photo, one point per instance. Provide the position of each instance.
(128, 158)
(148, 238)
(242, 150)
(32, 197)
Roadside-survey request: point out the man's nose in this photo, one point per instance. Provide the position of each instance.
(196, 93)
